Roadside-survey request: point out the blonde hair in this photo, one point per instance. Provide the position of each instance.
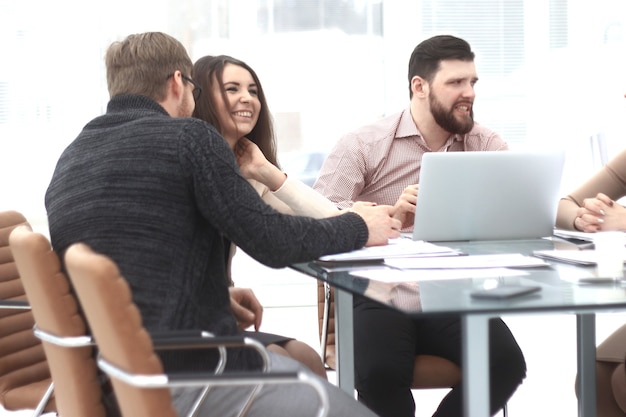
(142, 63)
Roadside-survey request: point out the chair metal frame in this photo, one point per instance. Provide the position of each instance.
(216, 377)
(171, 341)
(209, 380)
(14, 305)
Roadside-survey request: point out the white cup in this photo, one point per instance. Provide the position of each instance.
(611, 252)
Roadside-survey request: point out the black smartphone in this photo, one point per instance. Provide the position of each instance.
(505, 291)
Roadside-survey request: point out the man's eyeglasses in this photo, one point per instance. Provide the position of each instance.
(197, 90)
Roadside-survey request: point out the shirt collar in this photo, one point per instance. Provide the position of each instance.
(407, 127)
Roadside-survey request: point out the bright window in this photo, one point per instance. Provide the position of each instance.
(551, 72)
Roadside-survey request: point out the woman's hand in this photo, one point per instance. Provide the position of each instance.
(255, 166)
(250, 158)
(600, 214)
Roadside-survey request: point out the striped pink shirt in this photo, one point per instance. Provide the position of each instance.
(378, 161)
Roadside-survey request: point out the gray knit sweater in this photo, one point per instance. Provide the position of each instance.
(158, 194)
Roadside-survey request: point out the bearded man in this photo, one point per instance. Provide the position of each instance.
(381, 163)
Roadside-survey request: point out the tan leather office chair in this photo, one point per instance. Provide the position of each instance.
(59, 324)
(126, 349)
(25, 381)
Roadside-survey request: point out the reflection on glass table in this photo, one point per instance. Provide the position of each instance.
(564, 288)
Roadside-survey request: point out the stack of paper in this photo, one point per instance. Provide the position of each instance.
(571, 234)
(401, 247)
(416, 275)
(505, 260)
(408, 260)
(577, 257)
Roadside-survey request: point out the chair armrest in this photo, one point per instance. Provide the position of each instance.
(167, 334)
(204, 379)
(197, 340)
(185, 340)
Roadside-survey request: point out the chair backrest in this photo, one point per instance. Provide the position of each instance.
(116, 324)
(24, 373)
(56, 311)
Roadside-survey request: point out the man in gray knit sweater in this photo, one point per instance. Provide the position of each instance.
(158, 192)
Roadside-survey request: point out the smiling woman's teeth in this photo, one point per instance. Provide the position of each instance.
(243, 114)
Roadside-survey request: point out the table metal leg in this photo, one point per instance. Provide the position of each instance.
(586, 347)
(475, 365)
(344, 340)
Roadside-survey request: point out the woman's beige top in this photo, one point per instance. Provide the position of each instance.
(295, 197)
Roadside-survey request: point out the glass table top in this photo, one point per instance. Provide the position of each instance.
(564, 286)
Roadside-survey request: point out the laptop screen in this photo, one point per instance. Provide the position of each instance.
(492, 195)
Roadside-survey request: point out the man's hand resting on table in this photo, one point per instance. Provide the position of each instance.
(246, 308)
(405, 206)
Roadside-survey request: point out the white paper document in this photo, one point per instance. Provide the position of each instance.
(400, 247)
(411, 275)
(506, 260)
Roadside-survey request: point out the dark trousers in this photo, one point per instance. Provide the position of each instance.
(386, 343)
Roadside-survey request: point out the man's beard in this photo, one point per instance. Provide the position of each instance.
(446, 119)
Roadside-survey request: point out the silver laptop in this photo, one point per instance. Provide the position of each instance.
(488, 195)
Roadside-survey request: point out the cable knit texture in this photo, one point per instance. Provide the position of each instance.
(157, 194)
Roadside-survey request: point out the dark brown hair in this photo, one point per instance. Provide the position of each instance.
(210, 69)
(427, 56)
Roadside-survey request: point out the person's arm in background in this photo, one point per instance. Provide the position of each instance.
(495, 142)
(342, 176)
(592, 206)
(281, 192)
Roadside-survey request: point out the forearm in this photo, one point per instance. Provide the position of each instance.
(566, 214)
(608, 180)
(305, 201)
(270, 176)
(284, 239)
